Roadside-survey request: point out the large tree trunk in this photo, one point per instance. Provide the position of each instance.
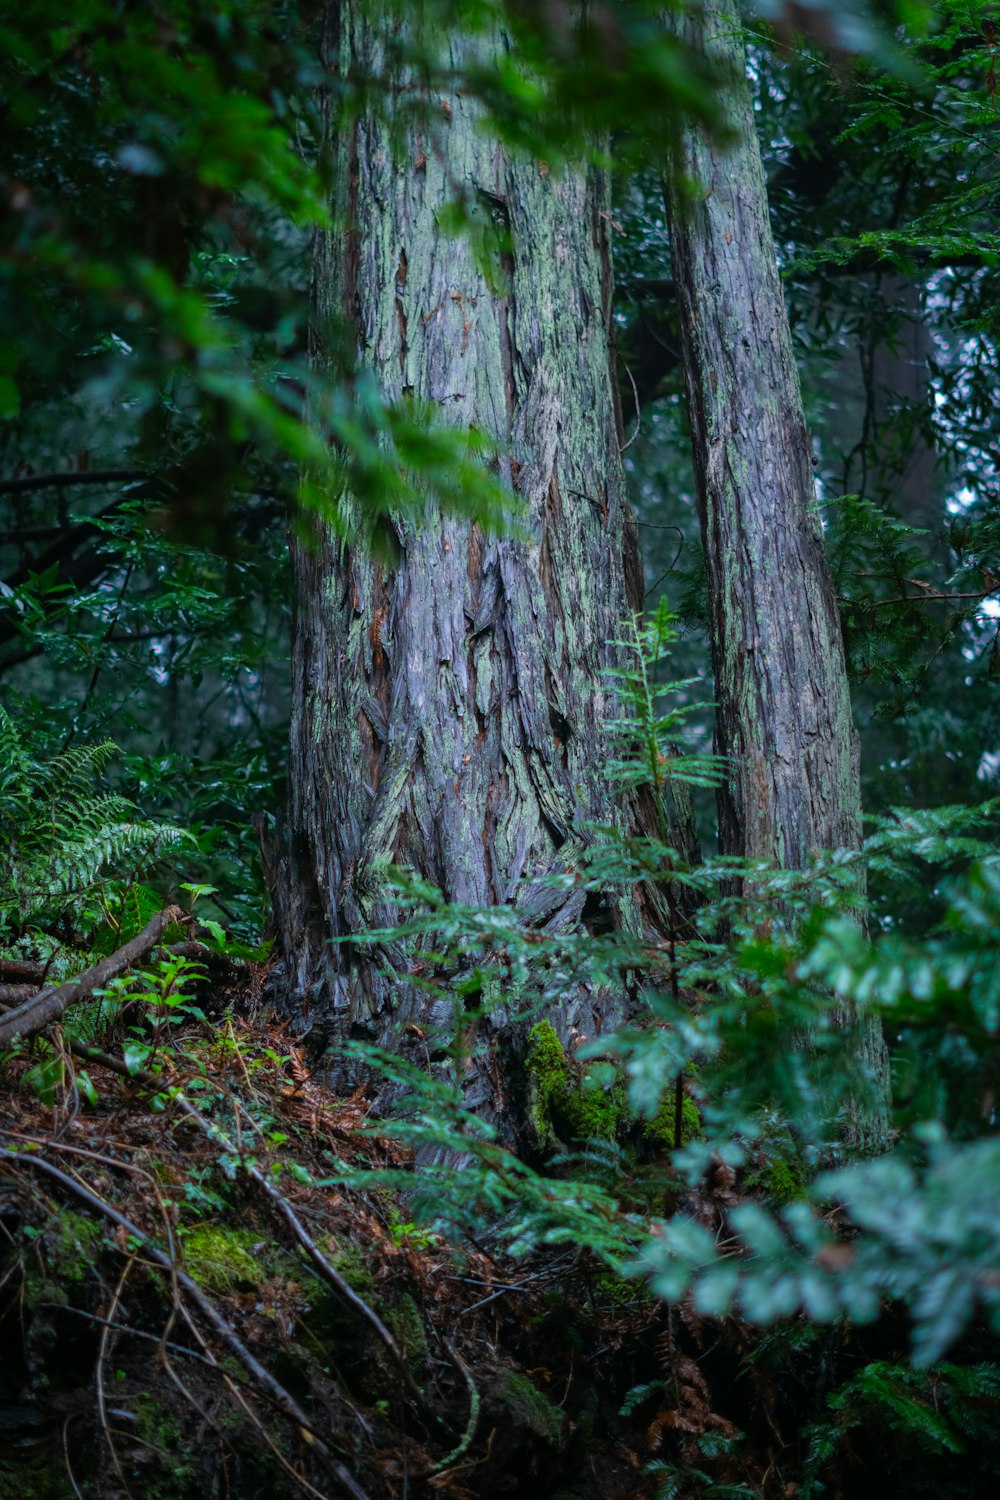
(782, 698)
(449, 712)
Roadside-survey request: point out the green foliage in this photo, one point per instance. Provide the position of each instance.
(164, 994)
(164, 172)
(930, 111)
(927, 1238)
(408, 1233)
(761, 1005)
(65, 847)
(919, 1415)
(647, 736)
(181, 134)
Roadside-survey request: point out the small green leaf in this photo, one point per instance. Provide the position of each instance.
(87, 1087)
(134, 1055)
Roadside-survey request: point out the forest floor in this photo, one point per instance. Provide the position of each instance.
(190, 1307)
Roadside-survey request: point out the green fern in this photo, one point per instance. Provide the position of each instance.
(942, 1412)
(63, 845)
(645, 734)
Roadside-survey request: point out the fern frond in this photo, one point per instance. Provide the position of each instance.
(59, 839)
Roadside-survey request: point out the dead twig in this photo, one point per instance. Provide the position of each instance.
(102, 1355)
(205, 1358)
(132, 1333)
(66, 1460)
(638, 412)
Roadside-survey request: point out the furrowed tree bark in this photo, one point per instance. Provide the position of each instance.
(449, 712)
(782, 698)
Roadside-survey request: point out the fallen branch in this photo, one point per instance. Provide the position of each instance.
(331, 1275)
(262, 1377)
(16, 994)
(222, 967)
(66, 478)
(49, 1004)
(21, 971)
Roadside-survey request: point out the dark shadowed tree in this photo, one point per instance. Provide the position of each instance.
(782, 698)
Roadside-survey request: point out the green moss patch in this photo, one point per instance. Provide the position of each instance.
(349, 1260)
(781, 1180)
(72, 1246)
(659, 1132)
(407, 1327)
(569, 1102)
(223, 1259)
(530, 1406)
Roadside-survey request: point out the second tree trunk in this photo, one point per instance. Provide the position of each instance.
(783, 707)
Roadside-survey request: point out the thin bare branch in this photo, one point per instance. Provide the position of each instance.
(65, 478)
(208, 1310)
